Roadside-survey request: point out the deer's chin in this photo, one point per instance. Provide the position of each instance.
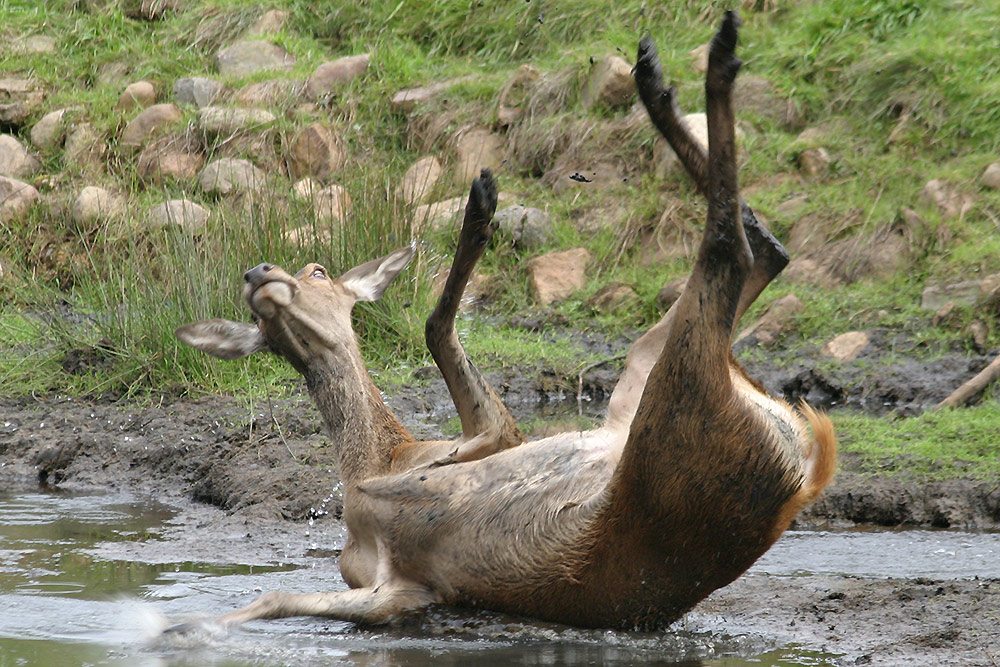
(269, 298)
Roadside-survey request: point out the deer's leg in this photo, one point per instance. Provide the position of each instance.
(485, 419)
(770, 257)
(371, 606)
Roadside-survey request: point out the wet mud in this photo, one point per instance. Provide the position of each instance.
(270, 470)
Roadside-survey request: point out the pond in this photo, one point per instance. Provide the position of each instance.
(87, 579)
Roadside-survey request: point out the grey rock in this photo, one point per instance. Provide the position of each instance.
(250, 56)
(527, 227)
(197, 90)
(231, 175)
(19, 99)
(95, 205)
(15, 198)
(181, 213)
(149, 122)
(230, 120)
(15, 160)
(328, 77)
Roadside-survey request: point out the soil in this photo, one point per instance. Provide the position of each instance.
(269, 464)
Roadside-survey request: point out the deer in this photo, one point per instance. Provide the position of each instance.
(694, 473)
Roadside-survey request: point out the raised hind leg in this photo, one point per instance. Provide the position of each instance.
(487, 425)
(770, 257)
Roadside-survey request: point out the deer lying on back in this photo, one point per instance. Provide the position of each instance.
(694, 474)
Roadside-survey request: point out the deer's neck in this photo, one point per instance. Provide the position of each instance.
(359, 423)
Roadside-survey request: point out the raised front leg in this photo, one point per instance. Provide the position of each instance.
(770, 257)
(487, 425)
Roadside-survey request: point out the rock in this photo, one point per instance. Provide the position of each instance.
(758, 96)
(148, 10)
(169, 159)
(274, 93)
(84, 147)
(15, 198)
(250, 56)
(198, 91)
(699, 58)
(406, 100)
(665, 158)
(113, 74)
(791, 209)
(475, 150)
(774, 321)
(270, 22)
(847, 346)
(36, 44)
(991, 177)
(516, 93)
(526, 227)
(227, 121)
(95, 205)
(809, 232)
(316, 151)
(15, 160)
(231, 175)
(332, 204)
(946, 198)
(306, 188)
(616, 296)
(447, 213)
(419, 180)
(814, 162)
(557, 275)
(48, 133)
(140, 94)
(670, 292)
(810, 271)
(331, 76)
(19, 98)
(183, 213)
(148, 123)
(980, 334)
(965, 293)
(609, 84)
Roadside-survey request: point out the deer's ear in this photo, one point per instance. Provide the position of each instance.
(224, 339)
(368, 281)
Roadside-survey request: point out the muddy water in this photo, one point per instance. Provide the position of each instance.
(88, 579)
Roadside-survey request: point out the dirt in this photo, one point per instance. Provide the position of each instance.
(268, 465)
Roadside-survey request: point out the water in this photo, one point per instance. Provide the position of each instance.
(87, 579)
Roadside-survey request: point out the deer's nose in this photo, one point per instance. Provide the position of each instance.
(257, 273)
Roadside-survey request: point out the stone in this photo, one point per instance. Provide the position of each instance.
(182, 213)
(964, 293)
(814, 162)
(36, 44)
(613, 297)
(330, 77)
(95, 205)
(670, 292)
(809, 232)
(609, 84)
(273, 93)
(316, 151)
(980, 334)
(169, 159)
(447, 213)
(306, 188)
(113, 74)
(664, 157)
(332, 204)
(199, 91)
(231, 175)
(140, 94)
(475, 150)
(270, 22)
(775, 320)
(50, 131)
(419, 180)
(758, 96)
(251, 56)
(405, 101)
(847, 346)
(557, 275)
(15, 198)
(810, 271)
(232, 120)
(991, 177)
(526, 227)
(19, 98)
(792, 208)
(15, 160)
(148, 10)
(84, 147)
(149, 122)
(699, 58)
(946, 198)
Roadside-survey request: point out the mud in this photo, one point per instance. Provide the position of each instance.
(269, 467)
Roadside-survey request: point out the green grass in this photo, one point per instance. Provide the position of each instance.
(936, 445)
(919, 73)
